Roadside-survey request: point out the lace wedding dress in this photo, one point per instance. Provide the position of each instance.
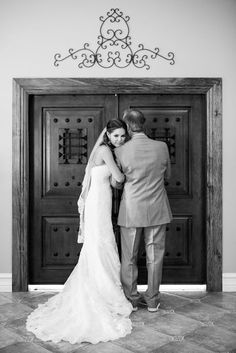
(92, 306)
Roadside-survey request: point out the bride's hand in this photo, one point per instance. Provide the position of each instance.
(116, 184)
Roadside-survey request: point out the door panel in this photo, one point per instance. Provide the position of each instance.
(63, 131)
(65, 136)
(179, 121)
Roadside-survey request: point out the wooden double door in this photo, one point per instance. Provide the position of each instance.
(63, 130)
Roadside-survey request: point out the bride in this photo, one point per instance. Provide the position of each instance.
(92, 306)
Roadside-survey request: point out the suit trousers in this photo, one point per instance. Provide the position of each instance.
(154, 237)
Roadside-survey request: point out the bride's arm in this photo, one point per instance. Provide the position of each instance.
(107, 157)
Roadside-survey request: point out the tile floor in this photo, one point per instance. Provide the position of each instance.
(185, 323)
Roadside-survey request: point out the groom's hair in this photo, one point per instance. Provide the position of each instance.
(134, 119)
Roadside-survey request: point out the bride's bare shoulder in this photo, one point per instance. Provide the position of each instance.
(102, 152)
(103, 149)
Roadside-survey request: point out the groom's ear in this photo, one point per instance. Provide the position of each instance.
(129, 130)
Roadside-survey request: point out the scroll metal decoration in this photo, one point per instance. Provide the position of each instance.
(114, 47)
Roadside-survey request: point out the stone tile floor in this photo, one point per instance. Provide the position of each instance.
(185, 323)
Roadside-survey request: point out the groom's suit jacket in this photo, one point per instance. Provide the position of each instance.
(144, 201)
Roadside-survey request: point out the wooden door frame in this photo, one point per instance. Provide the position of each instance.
(23, 88)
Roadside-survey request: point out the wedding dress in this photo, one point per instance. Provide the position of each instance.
(92, 306)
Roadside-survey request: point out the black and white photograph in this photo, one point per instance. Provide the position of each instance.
(117, 176)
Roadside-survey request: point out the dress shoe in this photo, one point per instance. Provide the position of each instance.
(153, 310)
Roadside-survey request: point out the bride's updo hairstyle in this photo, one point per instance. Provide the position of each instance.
(112, 125)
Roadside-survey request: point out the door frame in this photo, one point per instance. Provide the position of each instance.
(23, 88)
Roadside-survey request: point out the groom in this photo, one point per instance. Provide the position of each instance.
(144, 208)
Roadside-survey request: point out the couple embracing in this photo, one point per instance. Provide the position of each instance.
(100, 294)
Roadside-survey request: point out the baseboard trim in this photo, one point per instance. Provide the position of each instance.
(178, 288)
(5, 282)
(229, 282)
(45, 287)
(141, 288)
(229, 285)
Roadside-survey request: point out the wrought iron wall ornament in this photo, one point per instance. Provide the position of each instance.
(114, 47)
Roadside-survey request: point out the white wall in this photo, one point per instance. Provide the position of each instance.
(201, 33)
